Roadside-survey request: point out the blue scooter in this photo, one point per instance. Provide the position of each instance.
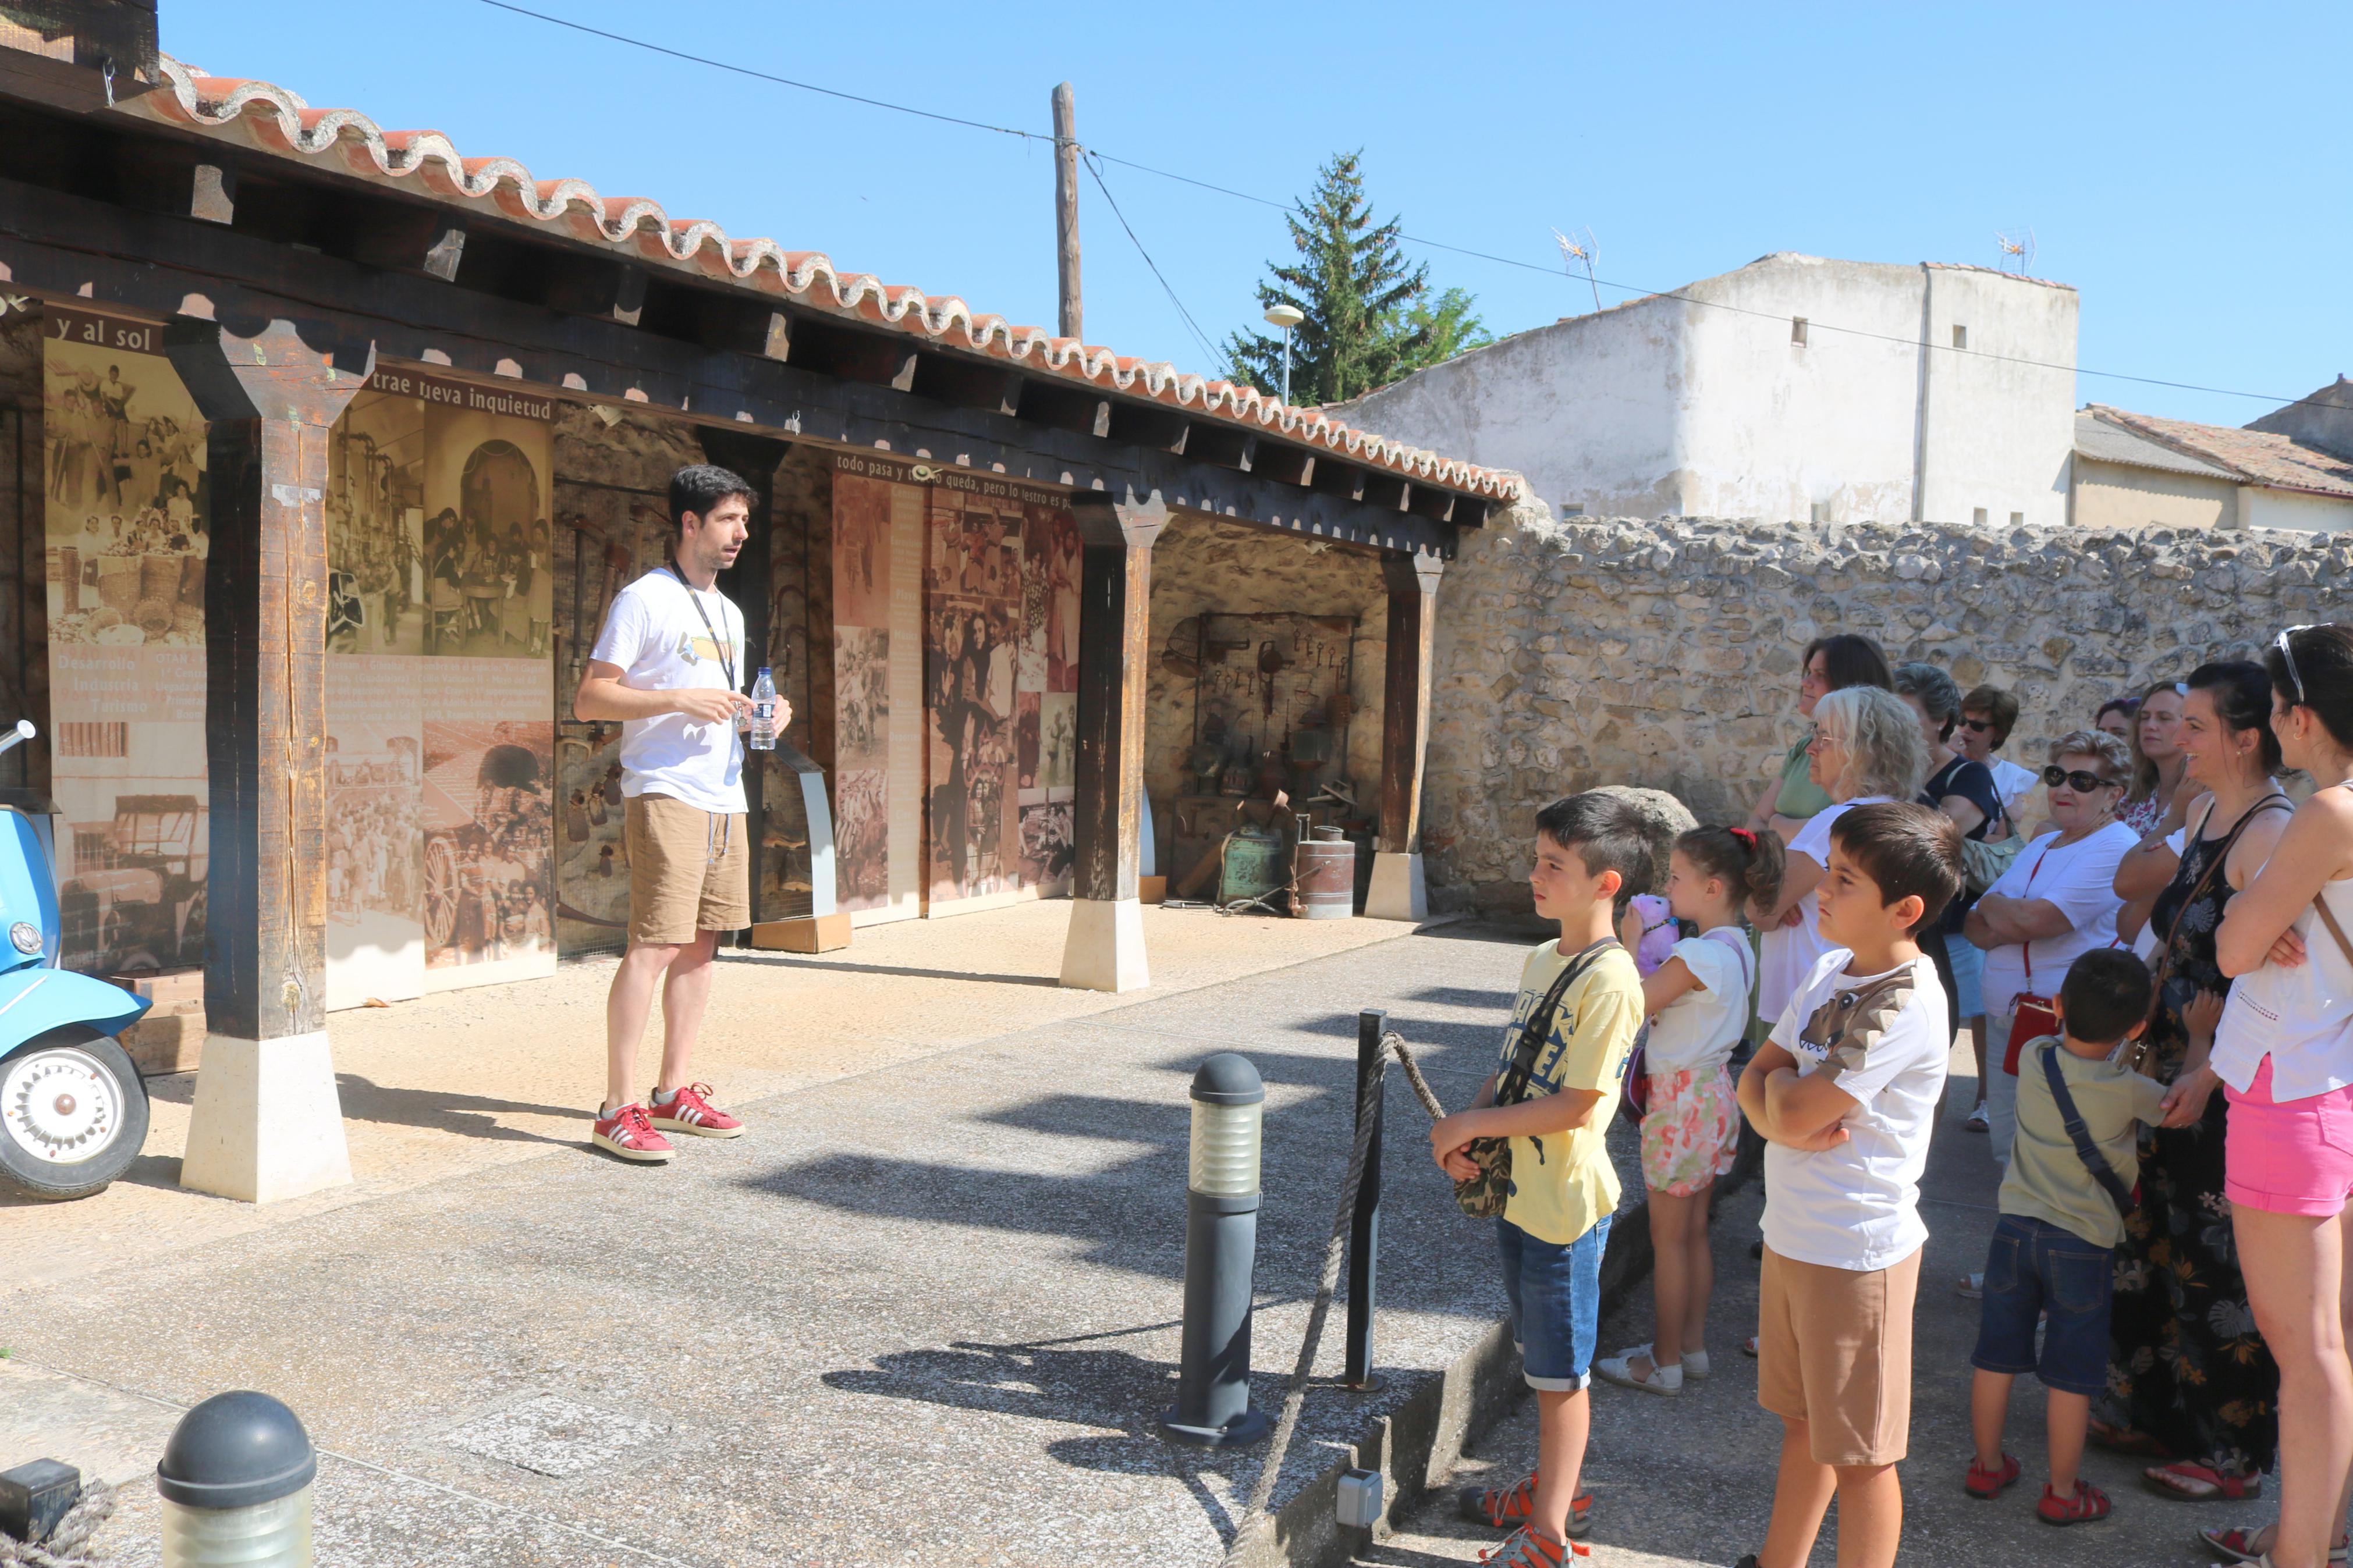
(73, 1113)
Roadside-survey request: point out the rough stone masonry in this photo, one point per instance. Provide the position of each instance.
(1664, 654)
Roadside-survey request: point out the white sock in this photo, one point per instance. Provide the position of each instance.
(664, 1096)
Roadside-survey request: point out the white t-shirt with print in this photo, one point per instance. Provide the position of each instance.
(1698, 1029)
(1857, 1204)
(653, 632)
(1787, 954)
(2081, 880)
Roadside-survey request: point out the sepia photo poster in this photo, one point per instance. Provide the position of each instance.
(441, 840)
(126, 501)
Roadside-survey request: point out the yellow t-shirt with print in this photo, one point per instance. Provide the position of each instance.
(1563, 1184)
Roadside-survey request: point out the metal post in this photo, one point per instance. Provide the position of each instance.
(1213, 1408)
(1286, 366)
(1365, 1229)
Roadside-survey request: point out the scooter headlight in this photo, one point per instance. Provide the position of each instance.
(27, 936)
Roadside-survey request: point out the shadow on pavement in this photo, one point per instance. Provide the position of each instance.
(901, 970)
(467, 1115)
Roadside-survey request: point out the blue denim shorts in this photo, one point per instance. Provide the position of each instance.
(2033, 1267)
(1556, 1297)
(1968, 974)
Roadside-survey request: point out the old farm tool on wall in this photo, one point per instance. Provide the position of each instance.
(73, 1113)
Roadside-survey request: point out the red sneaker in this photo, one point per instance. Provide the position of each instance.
(628, 1135)
(692, 1112)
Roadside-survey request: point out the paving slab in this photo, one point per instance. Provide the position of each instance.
(926, 1312)
(1689, 1481)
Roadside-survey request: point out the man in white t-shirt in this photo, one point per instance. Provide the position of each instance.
(670, 666)
(1845, 1094)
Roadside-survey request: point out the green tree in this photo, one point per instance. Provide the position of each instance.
(1369, 315)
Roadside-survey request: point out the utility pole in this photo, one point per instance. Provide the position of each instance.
(1066, 207)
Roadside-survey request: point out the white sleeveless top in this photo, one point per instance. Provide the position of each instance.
(2302, 1018)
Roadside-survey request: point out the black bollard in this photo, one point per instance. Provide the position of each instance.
(1213, 1408)
(1365, 1227)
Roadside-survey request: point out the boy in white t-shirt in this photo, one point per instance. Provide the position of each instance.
(1845, 1095)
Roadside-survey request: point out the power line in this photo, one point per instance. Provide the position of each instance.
(1632, 291)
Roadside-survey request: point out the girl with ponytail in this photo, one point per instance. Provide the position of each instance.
(1698, 1003)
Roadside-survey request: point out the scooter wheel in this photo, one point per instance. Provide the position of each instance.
(73, 1115)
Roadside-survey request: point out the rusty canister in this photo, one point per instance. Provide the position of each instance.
(1327, 875)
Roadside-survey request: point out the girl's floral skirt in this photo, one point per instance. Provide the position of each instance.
(1692, 1132)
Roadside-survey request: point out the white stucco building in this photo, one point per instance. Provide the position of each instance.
(1794, 387)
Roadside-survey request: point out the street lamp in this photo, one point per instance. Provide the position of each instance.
(1286, 316)
(1213, 1408)
(235, 1483)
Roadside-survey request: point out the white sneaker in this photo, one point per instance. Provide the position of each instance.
(1665, 1381)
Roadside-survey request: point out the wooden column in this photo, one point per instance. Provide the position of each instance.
(1104, 950)
(266, 1123)
(1397, 891)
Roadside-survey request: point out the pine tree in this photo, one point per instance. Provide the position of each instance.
(1370, 319)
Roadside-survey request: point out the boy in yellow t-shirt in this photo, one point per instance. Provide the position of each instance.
(1590, 853)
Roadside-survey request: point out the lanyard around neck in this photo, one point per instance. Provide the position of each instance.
(727, 655)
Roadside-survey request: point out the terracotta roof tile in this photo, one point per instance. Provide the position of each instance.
(2258, 455)
(262, 115)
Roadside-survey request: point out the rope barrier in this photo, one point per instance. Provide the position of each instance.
(1254, 1518)
(66, 1544)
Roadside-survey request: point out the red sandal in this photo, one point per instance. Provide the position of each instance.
(2185, 1481)
(1987, 1485)
(1509, 1507)
(2088, 1505)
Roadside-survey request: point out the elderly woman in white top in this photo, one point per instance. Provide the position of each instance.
(2056, 900)
(1866, 748)
(2284, 1054)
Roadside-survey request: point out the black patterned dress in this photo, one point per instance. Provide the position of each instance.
(2186, 1366)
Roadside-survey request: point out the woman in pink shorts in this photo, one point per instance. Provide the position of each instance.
(2284, 1053)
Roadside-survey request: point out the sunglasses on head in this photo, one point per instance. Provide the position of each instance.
(2080, 781)
(2287, 653)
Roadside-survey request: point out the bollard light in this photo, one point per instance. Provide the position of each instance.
(1213, 1408)
(235, 1484)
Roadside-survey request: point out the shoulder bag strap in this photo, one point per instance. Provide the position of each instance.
(2081, 1136)
(2328, 919)
(1533, 1033)
(2213, 870)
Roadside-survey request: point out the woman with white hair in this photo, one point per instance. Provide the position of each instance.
(1866, 748)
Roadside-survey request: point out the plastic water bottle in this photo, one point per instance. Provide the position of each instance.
(764, 711)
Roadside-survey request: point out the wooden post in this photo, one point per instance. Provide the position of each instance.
(267, 1124)
(1104, 950)
(1397, 892)
(1066, 207)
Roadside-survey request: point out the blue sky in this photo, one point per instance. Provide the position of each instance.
(2183, 167)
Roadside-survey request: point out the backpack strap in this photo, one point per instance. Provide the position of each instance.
(1533, 1033)
(2081, 1136)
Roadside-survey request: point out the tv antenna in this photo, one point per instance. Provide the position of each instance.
(1580, 250)
(2018, 243)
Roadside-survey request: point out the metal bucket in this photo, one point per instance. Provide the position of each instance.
(1327, 876)
(1253, 867)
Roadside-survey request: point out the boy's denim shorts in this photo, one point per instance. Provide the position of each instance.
(1556, 1297)
(2033, 1267)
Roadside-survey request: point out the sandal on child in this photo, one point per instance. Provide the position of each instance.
(1987, 1485)
(1508, 1508)
(1667, 1382)
(1978, 1120)
(1524, 1548)
(2238, 1543)
(2088, 1505)
(2187, 1481)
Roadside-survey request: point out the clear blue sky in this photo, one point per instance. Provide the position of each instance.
(2183, 166)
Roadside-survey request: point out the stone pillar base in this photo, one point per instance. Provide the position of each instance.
(267, 1124)
(1396, 893)
(1105, 948)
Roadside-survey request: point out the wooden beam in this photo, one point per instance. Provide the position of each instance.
(1062, 406)
(877, 359)
(584, 286)
(1383, 491)
(269, 392)
(984, 385)
(1161, 429)
(422, 240)
(66, 245)
(1412, 581)
(748, 582)
(1114, 658)
(1283, 463)
(1227, 444)
(177, 180)
(1430, 501)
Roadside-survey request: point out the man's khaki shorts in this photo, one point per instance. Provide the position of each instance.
(690, 870)
(1834, 1351)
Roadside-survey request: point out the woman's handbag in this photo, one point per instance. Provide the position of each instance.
(1983, 864)
(2031, 1015)
(1482, 1197)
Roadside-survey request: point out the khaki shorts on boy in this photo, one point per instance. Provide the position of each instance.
(690, 870)
(1834, 1351)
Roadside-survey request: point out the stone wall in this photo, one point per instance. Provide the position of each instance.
(1665, 654)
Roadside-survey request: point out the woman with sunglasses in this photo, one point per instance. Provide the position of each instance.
(2189, 1376)
(2054, 902)
(1989, 714)
(1831, 663)
(2284, 1053)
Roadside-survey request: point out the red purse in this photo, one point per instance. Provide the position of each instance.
(2033, 1016)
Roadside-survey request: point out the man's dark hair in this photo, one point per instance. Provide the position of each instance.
(1908, 851)
(1849, 659)
(699, 487)
(2107, 992)
(1606, 832)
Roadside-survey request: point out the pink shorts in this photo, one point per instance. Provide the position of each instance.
(2288, 1157)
